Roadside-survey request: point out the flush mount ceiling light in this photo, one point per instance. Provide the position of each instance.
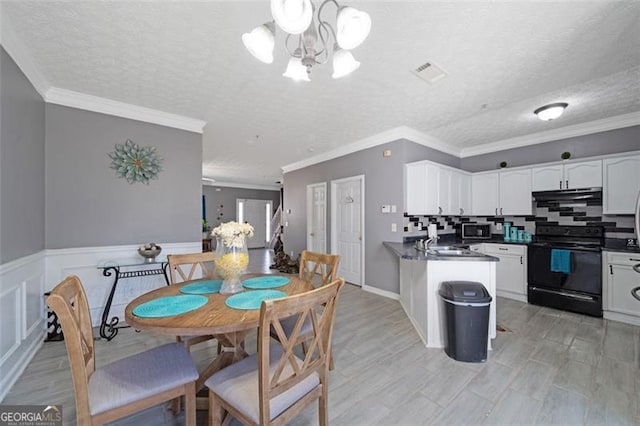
(551, 111)
(314, 36)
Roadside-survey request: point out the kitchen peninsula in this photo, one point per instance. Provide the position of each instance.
(421, 274)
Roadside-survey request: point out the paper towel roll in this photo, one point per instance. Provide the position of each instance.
(432, 230)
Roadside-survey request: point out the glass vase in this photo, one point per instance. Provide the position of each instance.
(231, 263)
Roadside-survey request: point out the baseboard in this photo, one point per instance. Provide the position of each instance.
(512, 296)
(17, 369)
(380, 292)
(616, 316)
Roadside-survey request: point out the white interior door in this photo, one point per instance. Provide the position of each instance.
(317, 217)
(258, 214)
(347, 227)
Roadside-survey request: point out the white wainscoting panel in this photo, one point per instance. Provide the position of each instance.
(21, 316)
(84, 263)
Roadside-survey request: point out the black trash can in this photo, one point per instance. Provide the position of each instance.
(465, 320)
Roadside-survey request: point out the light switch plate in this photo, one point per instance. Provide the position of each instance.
(393, 208)
(394, 227)
(386, 208)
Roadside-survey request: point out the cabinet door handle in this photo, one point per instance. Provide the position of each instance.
(566, 186)
(521, 260)
(610, 269)
(634, 260)
(461, 211)
(500, 211)
(496, 211)
(439, 210)
(560, 184)
(504, 249)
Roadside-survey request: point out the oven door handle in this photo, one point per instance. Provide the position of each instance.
(565, 293)
(636, 293)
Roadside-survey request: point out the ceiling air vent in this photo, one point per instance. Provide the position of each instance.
(430, 72)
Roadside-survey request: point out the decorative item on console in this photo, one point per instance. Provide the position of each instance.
(149, 251)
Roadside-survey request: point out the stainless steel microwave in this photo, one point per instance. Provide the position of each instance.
(477, 231)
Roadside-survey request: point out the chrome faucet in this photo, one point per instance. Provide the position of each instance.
(430, 240)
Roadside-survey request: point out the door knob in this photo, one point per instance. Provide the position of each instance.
(312, 234)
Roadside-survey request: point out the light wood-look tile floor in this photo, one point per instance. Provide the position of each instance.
(552, 367)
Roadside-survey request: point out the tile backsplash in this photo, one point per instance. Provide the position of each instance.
(615, 226)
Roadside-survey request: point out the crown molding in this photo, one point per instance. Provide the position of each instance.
(83, 101)
(265, 187)
(597, 126)
(21, 56)
(402, 132)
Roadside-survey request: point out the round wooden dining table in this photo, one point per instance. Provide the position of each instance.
(228, 325)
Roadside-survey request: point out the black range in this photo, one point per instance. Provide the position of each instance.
(565, 268)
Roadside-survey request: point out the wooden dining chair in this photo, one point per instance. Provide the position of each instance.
(318, 269)
(187, 267)
(128, 385)
(274, 385)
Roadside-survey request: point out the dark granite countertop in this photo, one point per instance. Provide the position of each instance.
(408, 251)
(619, 244)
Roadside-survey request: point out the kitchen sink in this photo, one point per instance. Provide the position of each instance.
(449, 251)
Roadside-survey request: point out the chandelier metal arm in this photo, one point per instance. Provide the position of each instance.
(293, 53)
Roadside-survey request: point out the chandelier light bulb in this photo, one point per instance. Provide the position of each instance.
(293, 16)
(260, 42)
(296, 71)
(353, 27)
(343, 63)
(551, 111)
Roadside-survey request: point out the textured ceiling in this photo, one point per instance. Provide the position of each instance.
(187, 58)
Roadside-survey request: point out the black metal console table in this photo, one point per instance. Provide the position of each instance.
(109, 328)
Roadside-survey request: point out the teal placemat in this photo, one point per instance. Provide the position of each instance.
(202, 287)
(252, 299)
(169, 306)
(267, 281)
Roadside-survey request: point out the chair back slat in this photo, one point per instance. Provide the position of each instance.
(306, 306)
(69, 301)
(187, 267)
(318, 266)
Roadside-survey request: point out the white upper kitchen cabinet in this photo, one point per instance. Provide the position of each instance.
(584, 174)
(484, 194)
(465, 193)
(547, 178)
(415, 179)
(587, 174)
(621, 184)
(444, 191)
(433, 189)
(515, 192)
(501, 193)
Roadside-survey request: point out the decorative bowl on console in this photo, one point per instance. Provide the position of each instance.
(149, 251)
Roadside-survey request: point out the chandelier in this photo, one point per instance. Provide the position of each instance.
(310, 40)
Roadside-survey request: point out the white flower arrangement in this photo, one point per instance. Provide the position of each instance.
(232, 234)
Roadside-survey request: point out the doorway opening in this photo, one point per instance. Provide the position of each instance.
(258, 214)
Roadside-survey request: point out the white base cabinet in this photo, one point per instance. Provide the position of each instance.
(511, 275)
(619, 279)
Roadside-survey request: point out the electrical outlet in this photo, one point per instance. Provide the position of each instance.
(394, 227)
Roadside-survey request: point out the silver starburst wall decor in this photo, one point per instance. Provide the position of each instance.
(136, 163)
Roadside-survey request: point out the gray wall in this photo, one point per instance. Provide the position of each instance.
(383, 185)
(22, 148)
(216, 196)
(87, 205)
(611, 142)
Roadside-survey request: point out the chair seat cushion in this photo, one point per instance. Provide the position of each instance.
(140, 376)
(238, 385)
